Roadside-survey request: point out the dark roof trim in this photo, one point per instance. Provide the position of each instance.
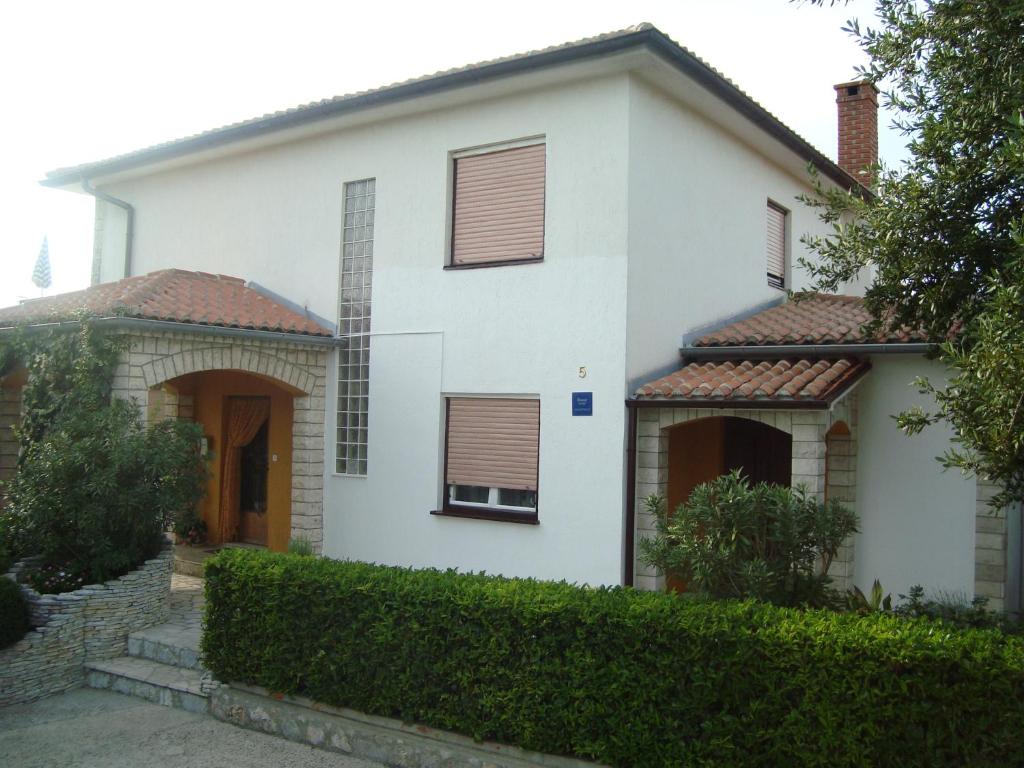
(657, 41)
(769, 351)
(690, 65)
(805, 404)
(142, 324)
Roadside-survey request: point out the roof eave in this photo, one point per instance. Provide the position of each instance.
(768, 351)
(653, 38)
(139, 323)
(837, 391)
(790, 404)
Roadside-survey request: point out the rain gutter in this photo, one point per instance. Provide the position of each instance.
(129, 226)
(764, 351)
(142, 324)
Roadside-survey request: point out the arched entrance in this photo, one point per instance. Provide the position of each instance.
(701, 450)
(247, 422)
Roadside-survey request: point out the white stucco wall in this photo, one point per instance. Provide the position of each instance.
(697, 232)
(274, 217)
(111, 222)
(629, 171)
(917, 522)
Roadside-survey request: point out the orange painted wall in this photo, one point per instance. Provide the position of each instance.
(210, 391)
(696, 454)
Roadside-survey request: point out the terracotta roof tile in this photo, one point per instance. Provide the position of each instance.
(174, 295)
(813, 318)
(757, 380)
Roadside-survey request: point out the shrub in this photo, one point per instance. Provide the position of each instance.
(190, 528)
(611, 674)
(953, 609)
(14, 613)
(14, 543)
(765, 541)
(98, 490)
(300, 546)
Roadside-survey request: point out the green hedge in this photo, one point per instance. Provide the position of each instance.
(619, 676)
(14, 613)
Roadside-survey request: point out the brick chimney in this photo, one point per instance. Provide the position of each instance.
(858, 128)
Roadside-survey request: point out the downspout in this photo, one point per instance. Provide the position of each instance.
(628, 554)
(129, 227)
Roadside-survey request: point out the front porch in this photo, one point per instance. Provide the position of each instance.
(678, 448)
(261, 404)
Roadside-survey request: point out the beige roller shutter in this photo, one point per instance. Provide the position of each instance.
(499, 206)
(776, 246)
(493, 442)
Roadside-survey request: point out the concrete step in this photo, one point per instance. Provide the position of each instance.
(168, 644)
(150, 680)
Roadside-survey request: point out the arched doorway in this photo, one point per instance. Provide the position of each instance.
(701, 450)
(247, 422)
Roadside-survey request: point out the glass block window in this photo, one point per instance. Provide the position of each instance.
(354, 327)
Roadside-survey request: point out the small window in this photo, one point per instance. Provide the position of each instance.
(776, 246)
(498, 207)
(491, 456)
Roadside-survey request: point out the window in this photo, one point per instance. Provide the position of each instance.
(354, 327)
(776, 245)
(491, 452)
(498, 207)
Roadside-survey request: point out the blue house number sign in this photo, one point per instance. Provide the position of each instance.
(582, 403)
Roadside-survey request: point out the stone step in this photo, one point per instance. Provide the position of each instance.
(168, 644)
(150, 680)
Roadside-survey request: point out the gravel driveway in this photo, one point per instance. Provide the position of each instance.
(90, 728)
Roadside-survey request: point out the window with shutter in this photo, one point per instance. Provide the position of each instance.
(776, 246)
(491, 454)
(498, 207)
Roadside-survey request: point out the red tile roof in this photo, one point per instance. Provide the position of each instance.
(757, 380)
(812, 318)
(173, 295)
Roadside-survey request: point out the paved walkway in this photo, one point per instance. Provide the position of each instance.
(86, 728)
(185, 613)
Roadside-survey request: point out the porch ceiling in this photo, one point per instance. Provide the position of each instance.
(756, 382)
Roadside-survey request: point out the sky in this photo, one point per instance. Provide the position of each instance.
(85, 81)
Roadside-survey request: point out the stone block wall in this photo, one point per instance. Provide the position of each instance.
(156, 357)
(48, 659)
(89, 624)
(990, 545)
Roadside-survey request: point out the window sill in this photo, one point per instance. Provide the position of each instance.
(484, 264)
(488, 513)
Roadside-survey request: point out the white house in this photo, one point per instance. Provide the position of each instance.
(579, 261)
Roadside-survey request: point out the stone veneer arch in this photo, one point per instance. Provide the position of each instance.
(237, 358)
(154, 358)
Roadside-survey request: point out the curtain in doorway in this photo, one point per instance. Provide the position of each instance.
(245, 417)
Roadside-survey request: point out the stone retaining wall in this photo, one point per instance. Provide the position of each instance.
(382, 739)
(88, 624)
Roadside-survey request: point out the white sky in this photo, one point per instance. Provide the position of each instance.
(87, 80)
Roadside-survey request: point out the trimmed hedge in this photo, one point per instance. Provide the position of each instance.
(615, 675)
(14, 613)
